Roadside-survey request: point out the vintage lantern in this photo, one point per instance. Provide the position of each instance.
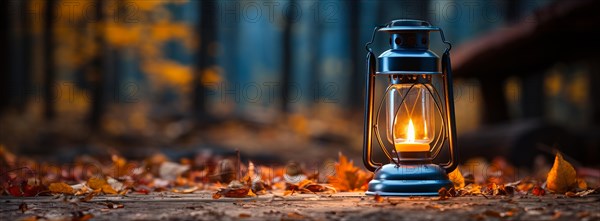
(419, 112)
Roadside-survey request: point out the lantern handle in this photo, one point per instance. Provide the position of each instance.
(449, 100)
(368, 45)
(369, 97)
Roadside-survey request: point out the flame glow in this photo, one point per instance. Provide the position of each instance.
(410, 132)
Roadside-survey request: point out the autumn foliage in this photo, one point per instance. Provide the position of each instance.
(226, 178)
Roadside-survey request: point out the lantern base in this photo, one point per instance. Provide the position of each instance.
(409, 180)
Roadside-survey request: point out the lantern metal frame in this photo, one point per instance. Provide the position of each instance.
(409, 63)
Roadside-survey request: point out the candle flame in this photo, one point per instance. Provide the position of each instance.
(410, 132)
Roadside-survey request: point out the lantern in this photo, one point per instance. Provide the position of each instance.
(418, 111)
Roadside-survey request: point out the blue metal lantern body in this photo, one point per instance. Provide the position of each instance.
(419, 116)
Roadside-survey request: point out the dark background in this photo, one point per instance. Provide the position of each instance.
(283, 80)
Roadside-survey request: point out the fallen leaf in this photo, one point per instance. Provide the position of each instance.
(378, 198)
(580, 193)
(471, 189)
(443, 193)
(107, 189)
(23, 207)
(25, 190)
(562, 176)
(186, 191)
(33, 218)
(111, 205)
(295, 215)
(170, 171)
(80, 216)
(581, 184)
(90, 196)
(492, 213)
(251, 194)
(240, 192)
(538, 191)
(457, 178)
(244, 215)
(62, 188)
(115, 184)
(288, 192)
(96, 183)
(348, 177)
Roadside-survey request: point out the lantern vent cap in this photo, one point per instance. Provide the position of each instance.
(402, 25)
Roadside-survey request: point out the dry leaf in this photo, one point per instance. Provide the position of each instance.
(111, 205)
(288, 192)
(170, 171)
(581, 184)
(115, 184)
(457, 178)
(188, 190)
(348, 177)
(61, 188)
(378, 198)
(562, 176)
(33, 218)
(443, 193)
(251, 194)
(244, 215)
(295, 215)
(23, 207)
(580, 193)
(90, 196)
(538, 191)
(107, 189)
(492, 213)
(240, 192)
(96, 183)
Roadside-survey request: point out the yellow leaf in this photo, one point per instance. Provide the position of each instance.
(562, 176)
(251, 194)
(457, 178)
(61, 188)
(96, 183)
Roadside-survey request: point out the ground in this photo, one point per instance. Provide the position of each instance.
(341, 206)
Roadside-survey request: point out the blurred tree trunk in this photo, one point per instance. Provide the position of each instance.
(356, 56)
(97, 70)
(494, 101)
(286, 75)
(532, 95)
(207, 32)
(595, 90)
(315, 63)
(492, 88)
(49, 70)
(5, 70)
(26, 58)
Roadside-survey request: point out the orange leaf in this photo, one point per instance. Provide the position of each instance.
(457, 178)
(348, 177)
(562, 176)
(251, 194)
(61, 188)
(378, 198)
(96, 183)
(107, 189)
